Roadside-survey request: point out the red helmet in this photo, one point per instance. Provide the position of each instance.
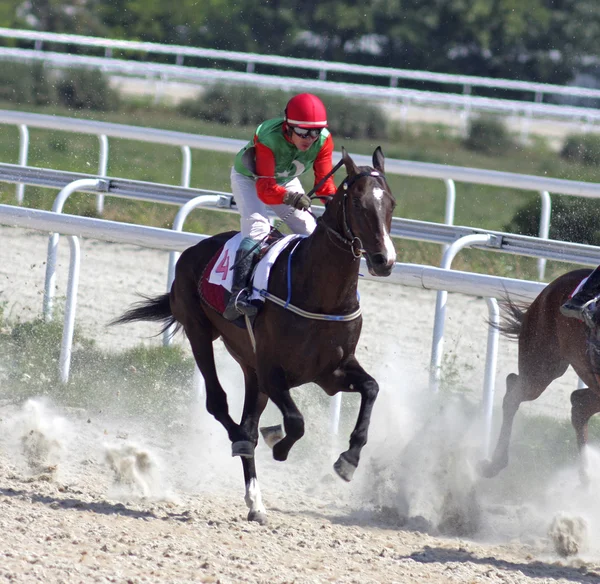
(306, 111)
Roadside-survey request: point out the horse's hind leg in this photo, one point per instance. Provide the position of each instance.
(584, 404)
(519, 388)
(510, 404)
(200, 337)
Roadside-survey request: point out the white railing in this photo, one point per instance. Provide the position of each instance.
(402, 228)
(442, 234)
(321, 68)
(393, 95)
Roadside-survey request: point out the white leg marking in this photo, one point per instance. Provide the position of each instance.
(253, 497)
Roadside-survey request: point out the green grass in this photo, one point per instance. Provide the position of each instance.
(154, 383)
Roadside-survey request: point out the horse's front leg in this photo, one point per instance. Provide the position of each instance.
(351, 377)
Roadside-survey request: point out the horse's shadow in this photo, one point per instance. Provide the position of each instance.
(99, 508)
(436, 555)
(535, 569)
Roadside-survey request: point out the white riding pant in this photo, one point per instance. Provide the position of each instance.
(253, 212)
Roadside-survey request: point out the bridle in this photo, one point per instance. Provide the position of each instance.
(347, 237)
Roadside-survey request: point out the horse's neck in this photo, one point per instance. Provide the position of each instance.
(331, 274)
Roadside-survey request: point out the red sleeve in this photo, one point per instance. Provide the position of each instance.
(268, 191)
(323, 165)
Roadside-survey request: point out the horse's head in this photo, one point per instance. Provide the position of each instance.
(363, 206)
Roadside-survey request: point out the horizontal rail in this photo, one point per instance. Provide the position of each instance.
(169, 240)
(402, 228)
(356, 90)
(296, 63)
(524, 245)
(230, 145)
(103, 229)
(118, 187)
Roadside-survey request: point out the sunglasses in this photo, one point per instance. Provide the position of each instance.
(314, 133)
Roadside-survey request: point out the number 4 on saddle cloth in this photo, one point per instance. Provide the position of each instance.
(215, 284)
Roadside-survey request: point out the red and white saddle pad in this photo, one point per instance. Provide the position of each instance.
(216, 281)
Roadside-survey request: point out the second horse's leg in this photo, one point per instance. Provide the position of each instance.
(519, 388)
(584, 404)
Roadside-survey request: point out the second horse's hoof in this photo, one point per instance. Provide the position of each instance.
(486, 469)
(243, 448)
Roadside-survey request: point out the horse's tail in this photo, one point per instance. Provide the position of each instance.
(157, 308)
(512, 318)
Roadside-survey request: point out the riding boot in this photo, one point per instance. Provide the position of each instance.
(239, 301)
(574, 306)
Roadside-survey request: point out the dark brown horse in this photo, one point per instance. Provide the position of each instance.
(548, 344)
(291, 350)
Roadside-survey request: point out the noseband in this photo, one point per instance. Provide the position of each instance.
(348, 238)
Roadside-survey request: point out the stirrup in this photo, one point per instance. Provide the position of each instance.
(239, 305)
(243, 304)
(572, 310)
(580, 310)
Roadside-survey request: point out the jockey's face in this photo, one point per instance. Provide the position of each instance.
(302, 142)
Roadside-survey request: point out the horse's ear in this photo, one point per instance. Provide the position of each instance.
(351, 168)
(378, 159)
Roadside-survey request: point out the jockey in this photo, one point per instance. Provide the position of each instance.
(574, 306)
(265, 174)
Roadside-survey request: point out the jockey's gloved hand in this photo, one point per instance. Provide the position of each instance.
(299, 201)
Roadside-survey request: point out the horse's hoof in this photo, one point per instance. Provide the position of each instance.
(272, 434)
(486, 469)
(344, 468)
(259, 516)
(279, 453)
(243, 448)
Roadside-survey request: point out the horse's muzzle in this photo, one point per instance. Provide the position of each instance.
(379, 265)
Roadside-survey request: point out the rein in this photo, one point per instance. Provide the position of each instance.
(312, 191)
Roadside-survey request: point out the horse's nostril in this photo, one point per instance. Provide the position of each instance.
(379, 259)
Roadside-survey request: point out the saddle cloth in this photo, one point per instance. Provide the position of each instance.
(215, 283)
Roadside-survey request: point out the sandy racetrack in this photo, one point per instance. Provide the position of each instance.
(90, 498)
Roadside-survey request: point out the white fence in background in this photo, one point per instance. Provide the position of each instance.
(465, 104)
(320, 68)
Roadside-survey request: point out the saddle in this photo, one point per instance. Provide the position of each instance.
(215, 291)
